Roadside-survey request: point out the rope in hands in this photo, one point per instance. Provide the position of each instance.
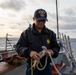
(35, 63)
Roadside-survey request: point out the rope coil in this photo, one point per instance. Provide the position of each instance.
(37, 62)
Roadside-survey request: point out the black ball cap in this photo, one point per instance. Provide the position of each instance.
(40, 14)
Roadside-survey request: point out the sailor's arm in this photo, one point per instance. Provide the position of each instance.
(22, 45)
(55, 46)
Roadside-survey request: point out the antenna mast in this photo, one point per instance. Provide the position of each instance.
(57, 19)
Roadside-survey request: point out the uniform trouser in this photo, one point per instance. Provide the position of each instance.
(46, 71)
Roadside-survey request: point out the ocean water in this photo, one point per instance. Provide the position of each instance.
(73, 46)
(13, 41)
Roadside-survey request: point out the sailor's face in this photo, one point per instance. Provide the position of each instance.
(39, 23)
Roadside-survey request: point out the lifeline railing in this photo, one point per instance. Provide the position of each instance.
(65, 42)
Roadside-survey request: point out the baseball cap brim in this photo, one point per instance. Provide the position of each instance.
(42, 19)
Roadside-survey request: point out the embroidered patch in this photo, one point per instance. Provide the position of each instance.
(42, 13)
(48, 41)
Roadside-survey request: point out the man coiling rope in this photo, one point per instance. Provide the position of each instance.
(33, 38)
(37, 62)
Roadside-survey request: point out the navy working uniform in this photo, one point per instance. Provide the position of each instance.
(32, 39)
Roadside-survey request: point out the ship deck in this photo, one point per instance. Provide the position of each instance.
(21, 71)
(15, 70)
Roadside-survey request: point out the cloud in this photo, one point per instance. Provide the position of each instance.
(51, 15)
(70, 11)
(22, 25)
(1, 24)
(68, 27)
(13, 4)
(69, 14)
(37, 2)
(67, 20)
(16, 22)
(67, 23)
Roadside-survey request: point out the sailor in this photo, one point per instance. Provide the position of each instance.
(33, 38)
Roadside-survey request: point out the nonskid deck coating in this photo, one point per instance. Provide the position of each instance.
(21, 71)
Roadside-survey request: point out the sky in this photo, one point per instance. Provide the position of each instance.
(15, 14)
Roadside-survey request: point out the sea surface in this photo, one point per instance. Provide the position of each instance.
(13, 41)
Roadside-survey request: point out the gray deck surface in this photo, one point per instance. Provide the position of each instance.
(17, 71)
(21, 71)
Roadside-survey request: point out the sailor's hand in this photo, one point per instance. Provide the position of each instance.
(50, 51)
(35, 55)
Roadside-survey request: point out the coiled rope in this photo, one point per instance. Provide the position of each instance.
(37, 62)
